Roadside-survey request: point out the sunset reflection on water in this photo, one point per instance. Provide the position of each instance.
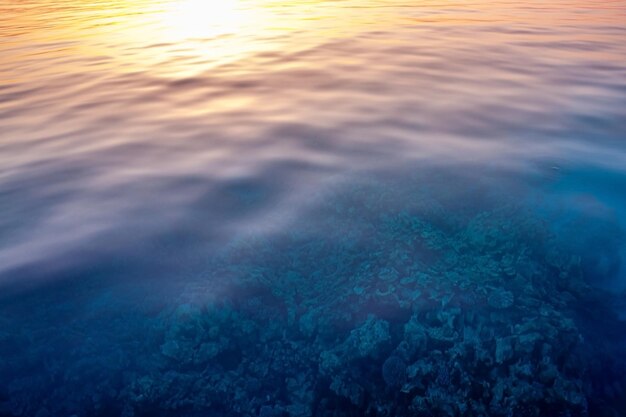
(133, 92)
(253, 208)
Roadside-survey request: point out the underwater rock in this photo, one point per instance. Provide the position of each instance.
(527, 342)
(301, 394)
(443, 376)
(368, 339)
(308, 323)
(388, 274)
(328, 362)
(170, 349)
(420, 369)
(271, 411)
(394, 371)
(415, 335)
(442, 334)
(500, 299)
(504, 349)
(347, 389)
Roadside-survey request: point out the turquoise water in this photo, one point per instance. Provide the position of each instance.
(312, 208)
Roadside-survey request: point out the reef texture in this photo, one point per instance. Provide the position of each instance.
(407, 311)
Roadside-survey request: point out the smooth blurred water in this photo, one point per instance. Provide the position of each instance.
(203, 204)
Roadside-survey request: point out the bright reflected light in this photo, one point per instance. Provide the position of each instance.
(185, 38)
(204, 19)
(188, 37)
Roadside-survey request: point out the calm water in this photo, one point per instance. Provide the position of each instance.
(312, 208)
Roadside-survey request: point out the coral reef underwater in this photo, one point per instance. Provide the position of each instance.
(424, 306)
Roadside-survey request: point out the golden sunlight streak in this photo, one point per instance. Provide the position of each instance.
(184, 38)
(202, 19)
(188, 37)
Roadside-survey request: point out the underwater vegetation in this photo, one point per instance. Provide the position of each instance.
(420, 306)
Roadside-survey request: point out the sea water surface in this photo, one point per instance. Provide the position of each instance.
(312, 208)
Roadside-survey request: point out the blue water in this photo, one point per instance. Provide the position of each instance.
(312, 208)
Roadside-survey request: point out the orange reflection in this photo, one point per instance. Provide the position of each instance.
(183, 38)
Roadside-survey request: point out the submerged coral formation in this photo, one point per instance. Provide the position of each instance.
(413, 310)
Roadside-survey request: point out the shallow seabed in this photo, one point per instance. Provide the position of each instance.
(313, 208)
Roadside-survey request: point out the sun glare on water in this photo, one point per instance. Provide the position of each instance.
(198, 34)
(201, 19)
(185, 38)
(182, 38)
(177, 38)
